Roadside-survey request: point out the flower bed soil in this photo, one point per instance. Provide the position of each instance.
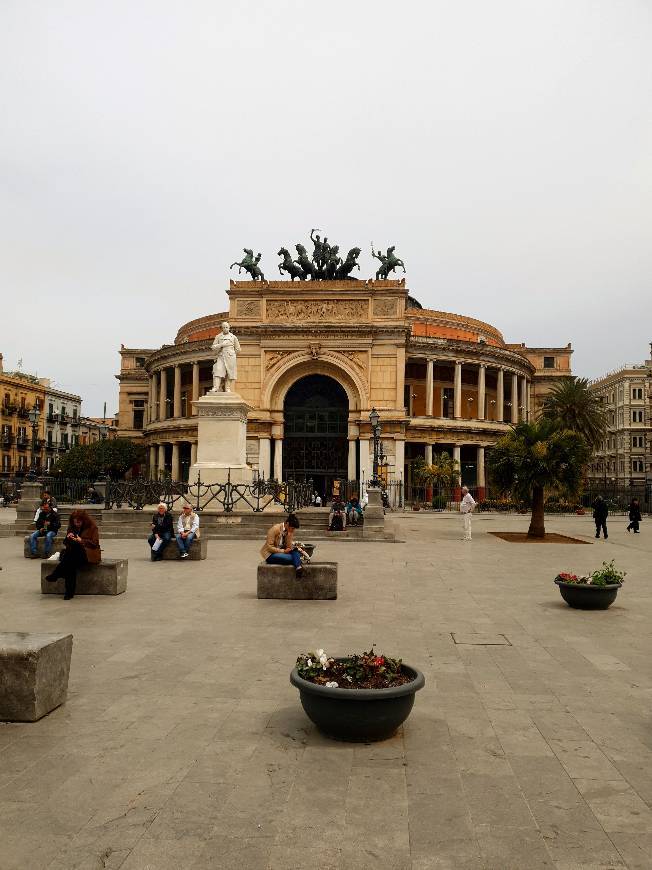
(550, 538)
(337, 674)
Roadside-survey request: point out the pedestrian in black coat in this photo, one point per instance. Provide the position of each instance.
(600, 514)
(634, 516)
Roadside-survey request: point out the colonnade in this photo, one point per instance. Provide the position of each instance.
(519, 403)
(157, 457)
(160, 406)
(457, 454)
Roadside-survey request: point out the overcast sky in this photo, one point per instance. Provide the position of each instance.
(504, 147)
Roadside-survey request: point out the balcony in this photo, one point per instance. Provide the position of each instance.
(9, 410)
(22, 442)
(53, 418)
(74, 421)
(6, 440)
(23, 413)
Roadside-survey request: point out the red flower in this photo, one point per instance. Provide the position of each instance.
(378, 661)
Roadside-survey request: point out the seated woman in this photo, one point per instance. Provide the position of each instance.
(162, 531)
(187, 530)
(354, 514)
(279, 548)
(81, 547)
(337, 517)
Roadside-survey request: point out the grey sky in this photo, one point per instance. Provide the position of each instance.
(504, 147)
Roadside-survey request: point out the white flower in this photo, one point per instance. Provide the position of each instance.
(320, 653)
(332, 685)
(309, 663)
(323, 661)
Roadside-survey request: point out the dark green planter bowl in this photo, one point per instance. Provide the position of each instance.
(358, 715)
(588, 597)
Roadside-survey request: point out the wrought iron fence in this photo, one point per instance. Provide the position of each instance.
(227, 496)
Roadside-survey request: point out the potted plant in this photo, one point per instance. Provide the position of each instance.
(360, 697)
(596, 591)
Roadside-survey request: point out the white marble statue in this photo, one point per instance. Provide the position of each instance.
(225, 368)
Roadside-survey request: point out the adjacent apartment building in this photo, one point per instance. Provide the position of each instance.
(625, 455)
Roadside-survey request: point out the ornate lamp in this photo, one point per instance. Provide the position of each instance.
(374, 419)
(34, 416)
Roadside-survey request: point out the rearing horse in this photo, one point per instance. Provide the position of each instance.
(288, 265)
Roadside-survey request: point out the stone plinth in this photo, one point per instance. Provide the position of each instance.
(318, 582)
(34, 672)
(198, 550)
(221, 439)
(57, 546)
(374, 514)
(107, 578)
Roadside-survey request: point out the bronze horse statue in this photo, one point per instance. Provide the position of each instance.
(388, 262)
(250, 265)
(344, 269)
(288, 265)
(304, 261)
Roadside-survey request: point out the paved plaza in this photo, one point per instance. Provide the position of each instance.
(183, 745)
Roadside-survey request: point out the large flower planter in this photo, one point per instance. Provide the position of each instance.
(584, 596)
(358, 715)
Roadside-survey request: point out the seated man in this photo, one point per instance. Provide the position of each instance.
(47, 525)
(279, 548)
(93, 496)
(354, 513)
(162, 531)
(187, 530)
(337, 517)
(46, 496)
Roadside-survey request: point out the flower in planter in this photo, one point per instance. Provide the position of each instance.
(357, 671)
(332, 685)
(605, 576)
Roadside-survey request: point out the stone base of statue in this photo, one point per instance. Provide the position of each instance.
(221, 439)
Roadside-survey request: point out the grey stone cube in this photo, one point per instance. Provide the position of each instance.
(34, 671)
(57, 546)
(107, 578)
(198, 550)
(319, 581)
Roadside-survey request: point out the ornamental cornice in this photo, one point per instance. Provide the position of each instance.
(169, 354)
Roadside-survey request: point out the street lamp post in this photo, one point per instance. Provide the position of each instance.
(33, 416)
(374, 419)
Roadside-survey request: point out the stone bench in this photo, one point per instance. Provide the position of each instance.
(34, 669)
(318, 582)
(198, 550)
(57, 546)
(107, 578)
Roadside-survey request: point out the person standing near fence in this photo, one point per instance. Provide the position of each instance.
(634, 516)
(600, 514)
(467, 506)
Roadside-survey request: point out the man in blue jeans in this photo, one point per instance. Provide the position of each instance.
(47, 525)
(279, 548)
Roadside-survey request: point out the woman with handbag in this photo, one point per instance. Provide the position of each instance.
(81, 547)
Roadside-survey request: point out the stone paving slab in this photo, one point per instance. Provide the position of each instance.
(183, 745)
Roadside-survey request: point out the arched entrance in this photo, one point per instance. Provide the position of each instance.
(316, 412)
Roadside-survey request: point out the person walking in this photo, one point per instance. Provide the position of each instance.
(279, 548)
(600, 514)
(47, 525)
(467, 506)
(81, 547)
(187, 530)
(162, 531)
(634, 516)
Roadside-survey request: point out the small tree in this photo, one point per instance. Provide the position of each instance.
(112, 457)
(538, 457)
(444, 471)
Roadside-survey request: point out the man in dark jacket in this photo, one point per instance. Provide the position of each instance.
(634, 516)
(162, 531)
(600, 514)
(47, 525)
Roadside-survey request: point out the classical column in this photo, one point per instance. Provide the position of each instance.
(264, 457)
(514, 398)
(500, 395)
(481, 391)
(457, 391)
(457, 456)
(399, 461)
(163, 393)
(428, 454)
(195, 386)
(429, 387)
(153, 398)
(278, 457)
(480, 467)
(365, 473)
(523, 400)
(152, 460)
(175, 460)
(160, 465)
(176, 411)
(193, 452)
(528, 401)
(353, 432)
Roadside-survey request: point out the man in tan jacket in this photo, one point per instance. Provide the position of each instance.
(279, 548)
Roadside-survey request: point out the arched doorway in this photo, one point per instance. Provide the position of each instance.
(316, 413)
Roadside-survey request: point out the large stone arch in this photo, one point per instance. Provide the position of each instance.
(298, 365)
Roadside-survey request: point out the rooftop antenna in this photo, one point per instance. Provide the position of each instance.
(104, 416)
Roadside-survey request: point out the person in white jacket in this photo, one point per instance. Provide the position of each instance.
(187, 530)
(467, 506)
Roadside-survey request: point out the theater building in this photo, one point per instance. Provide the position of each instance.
(315, 358)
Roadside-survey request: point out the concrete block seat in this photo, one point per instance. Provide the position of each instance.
(34, 670)
(198, 550)
(57, 546)
(109, 577)
(318, 582)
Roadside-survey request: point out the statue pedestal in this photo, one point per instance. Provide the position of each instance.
(374, 515)
(221, 439)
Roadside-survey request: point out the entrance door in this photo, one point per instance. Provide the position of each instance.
(316, 413)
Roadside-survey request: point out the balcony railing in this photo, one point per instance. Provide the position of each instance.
(9, 410)
(22, 442)
(23, 413)
(53, 418)
(6, 440)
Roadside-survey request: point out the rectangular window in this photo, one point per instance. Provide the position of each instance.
(139, 416)
(637, 416)
(548, 362)
(140, 361)
(638, 466)
(637, 394)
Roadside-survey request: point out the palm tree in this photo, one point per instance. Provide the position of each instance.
(443, 472)
(572, 404)
(537, 457)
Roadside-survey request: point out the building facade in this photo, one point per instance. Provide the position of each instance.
(19, 394)
(62, 423)
(315, 358)
(625, 455)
